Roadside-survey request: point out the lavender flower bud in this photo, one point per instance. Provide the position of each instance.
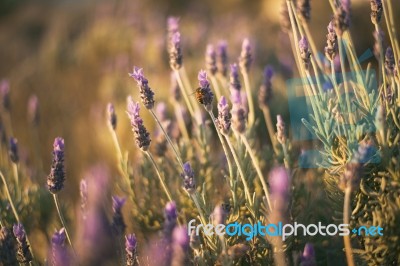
(222, 58)
(245, 58)
(376, 11)
(342, 17)
(7, 247)
(286, 26)
(180, 243)
(265, 92)
(146, 94)
(280, 130)
(189, 183)
(223, 120)
(5, 95)
(111, 116)
(23, 253)
(239, 116)
(304, 10)
(175, 51)
(13, 150)
(56, 178)
(234, 80)
(304, 52)
(33, 110)
(308, 256)
(161, 111)
(175, 90)
(118, 225)
(389, 61)
(331, 42)
(59, 256)
(211, 60)
(204, 94)
(131, 250)
(172, 25)
(83, 187)
(142, 136)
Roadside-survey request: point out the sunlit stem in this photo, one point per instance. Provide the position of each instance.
(181, 120)
(258, 170)
(346, 220)
(184, 93)
(270, 126)
(249, 97)
(164, 186)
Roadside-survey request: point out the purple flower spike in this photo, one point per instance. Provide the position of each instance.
(172, 24)
(204, 94)
(56, 178)
(170, 211)
(180, 237)
(279, 181)
(131, 250)
(189, 183)
(5, 95)
(376, 11)
(223, 120)
(146, 93)
(59, 254)
(234, 80)
(304, 51)
(222, 58)
(33, 110)
(308, 256)
(211, 60)
(389, 61)
(342, 17)
(142, 136)
(24, 254)
(175, 51)
(111, 116)
(118, 224)
(58, 238)
(13, 150)
(265, 93)
(245, 58)
(331, 42)
(180, 243)
(7, 247)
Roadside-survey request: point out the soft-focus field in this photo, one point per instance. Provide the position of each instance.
(75, 152)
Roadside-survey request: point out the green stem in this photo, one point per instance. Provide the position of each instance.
(249, 97)
(346, 87)
(270, 127)
(258, 170)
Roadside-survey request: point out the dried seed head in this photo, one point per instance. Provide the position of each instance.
(131, 250)
(265, 92)
(389, 61)
(189, 183)
(331, 42)
(142, 136)
(146, 93)
(56, 178)
(304, 9)
(24, 255)
(118, 225)
(13, 150)
(376, 11)
(33, 110)
(280, 130)
(211, 60)
(223, 120)
(222, 58)
(304, 51)
(111, 116)
(204, 94)
(245, 58)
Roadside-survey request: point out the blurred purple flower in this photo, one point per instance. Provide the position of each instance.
(245, 58)
(170, 211)
(239, 117)
(24, 254)
(204, 94)
(331, 42)
(219, 215)
(265, 92)
(118, 225)
(83, 189)
(142, 136)
(175, 51)
(146, 93)
(56, 178)
(223, 120)
(222, 58)
(304, 9)
(389, 61)
(180, 243)
(5, 95)
(308, 256)
(13, 150)
(234, 80)
(131, 252)
(7, 247)
(33, 110)
(211, 60)
(304, 51)
(379, 37)
(189, 183)
(59, 254)
(111, 116)
(161, 111)
(172, 24)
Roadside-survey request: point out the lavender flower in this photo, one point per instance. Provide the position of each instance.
(5, 95)
(171, 216)
(234, 80)
(389, 61)
(342, 17)
(175, 51)
(172, 25)
(59, 256)
(161, 111)
(308, 256)
(189, 183)
(265, 92)
(131, 250)
(222, 58)
(280, 129)
(118, 225)
(175, 90)
(180, 243)
(23, 253)
(142, 136)
(13, 150)
(239, 117)
(111, 116)
(7, 247)
(223, 120)
(146, 94)
(376, 11)
(204, 94)
(331, 42)
(279, 182)
(304, 9)
(83, 189)
(33, 110)
(211, 60)
(245, 58)
(56, 178)
(304, 52)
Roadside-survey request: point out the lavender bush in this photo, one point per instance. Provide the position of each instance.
(209, 152)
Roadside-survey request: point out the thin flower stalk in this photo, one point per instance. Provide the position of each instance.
(164, 186)
(270, 127)
(344, 75)
(184, 92)
(189, 88)
(346, 220)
